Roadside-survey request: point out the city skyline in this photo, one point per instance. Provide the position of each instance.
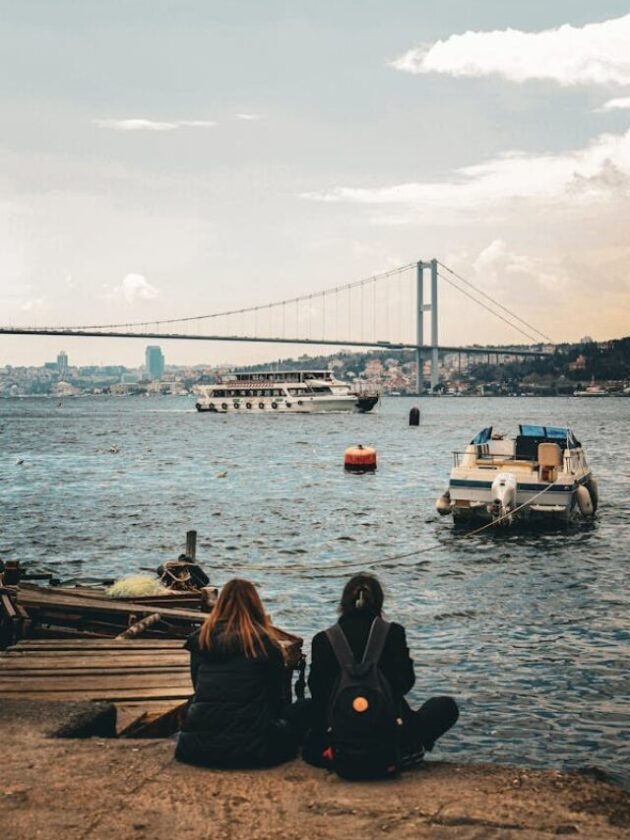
(145, 189)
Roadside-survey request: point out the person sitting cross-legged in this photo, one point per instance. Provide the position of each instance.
(340, 685)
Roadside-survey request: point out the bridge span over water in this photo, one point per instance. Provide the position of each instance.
(394, 303)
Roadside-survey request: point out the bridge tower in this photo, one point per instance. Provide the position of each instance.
(421, 308)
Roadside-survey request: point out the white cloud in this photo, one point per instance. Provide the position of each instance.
(33, 304)
(133, 288)
(151, 125)
(616, 104)
(596, 53)
(249, 117)
(496, 264)
(586, 175)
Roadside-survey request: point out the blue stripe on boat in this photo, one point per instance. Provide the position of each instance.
(486, 485)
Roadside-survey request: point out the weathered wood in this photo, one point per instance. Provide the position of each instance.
(96, 644)
(191, 545)
(55, 600)
(41, 672)
(111, 695)
(8, 607)
(155, 722)
(208, 598)
(12, 685)
(17, 663)
(140, 626)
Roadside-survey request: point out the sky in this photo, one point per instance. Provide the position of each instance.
(165, 158)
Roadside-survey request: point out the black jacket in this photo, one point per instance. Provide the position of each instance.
(395, 662)
(231, 721)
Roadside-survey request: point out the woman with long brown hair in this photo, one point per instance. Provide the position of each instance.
(237, 668)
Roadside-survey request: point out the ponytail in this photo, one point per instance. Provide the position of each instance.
(362, 592)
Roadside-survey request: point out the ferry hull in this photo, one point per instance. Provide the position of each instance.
(280, 406)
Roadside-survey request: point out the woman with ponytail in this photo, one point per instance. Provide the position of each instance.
(237, 668)
(362, 603)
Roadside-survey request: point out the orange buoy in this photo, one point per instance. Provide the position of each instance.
(360, 459)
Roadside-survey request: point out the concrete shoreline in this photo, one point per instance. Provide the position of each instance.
(100, 787)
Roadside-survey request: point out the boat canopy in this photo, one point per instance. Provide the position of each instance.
(538, 434)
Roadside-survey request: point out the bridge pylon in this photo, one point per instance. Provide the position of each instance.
(421, 308)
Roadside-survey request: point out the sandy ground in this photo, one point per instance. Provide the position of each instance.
(106, 788)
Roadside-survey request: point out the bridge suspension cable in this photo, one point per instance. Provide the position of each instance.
(495, 302)
(294, 300)
(485, 306)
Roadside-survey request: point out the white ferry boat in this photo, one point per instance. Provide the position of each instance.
(293, 391)
(542, 473)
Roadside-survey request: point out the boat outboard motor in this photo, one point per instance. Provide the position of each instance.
(504, 488)
(444, 503)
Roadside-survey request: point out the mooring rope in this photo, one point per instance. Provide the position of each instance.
(296, 567)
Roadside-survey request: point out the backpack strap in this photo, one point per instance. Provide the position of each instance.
(376, 641)
(340, 646)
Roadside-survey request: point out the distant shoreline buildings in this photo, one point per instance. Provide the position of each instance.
(154, 362)
(568, 368)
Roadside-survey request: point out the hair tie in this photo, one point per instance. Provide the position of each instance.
(360, 602)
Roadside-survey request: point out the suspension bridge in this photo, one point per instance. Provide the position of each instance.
(383, 311)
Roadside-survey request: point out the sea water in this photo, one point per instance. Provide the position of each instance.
(527, 630)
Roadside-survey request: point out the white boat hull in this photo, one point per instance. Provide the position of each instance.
(539, 502)
(279, 405)
(541, 474)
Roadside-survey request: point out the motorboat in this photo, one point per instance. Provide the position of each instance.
(281, 392)
(541, 473)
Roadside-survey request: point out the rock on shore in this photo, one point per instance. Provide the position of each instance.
(101, 787)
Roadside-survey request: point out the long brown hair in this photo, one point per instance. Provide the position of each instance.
(245, 624)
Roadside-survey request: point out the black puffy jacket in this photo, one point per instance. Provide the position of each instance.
(232, 720)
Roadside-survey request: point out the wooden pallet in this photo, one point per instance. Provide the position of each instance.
(147, 679)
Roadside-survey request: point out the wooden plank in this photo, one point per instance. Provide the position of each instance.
(31, 663)
(112, 695)
(71, 672)
(52, 599)
(96, 644)
(7, 606)
(130, 716)
(177, 599)
(27, 683)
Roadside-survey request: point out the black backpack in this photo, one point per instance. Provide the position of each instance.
(363, 720)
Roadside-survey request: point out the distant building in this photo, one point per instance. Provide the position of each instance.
(62, 364)
(154, 362)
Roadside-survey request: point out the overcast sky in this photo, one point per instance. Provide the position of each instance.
(161, 158)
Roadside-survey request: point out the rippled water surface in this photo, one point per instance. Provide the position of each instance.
(527, 630)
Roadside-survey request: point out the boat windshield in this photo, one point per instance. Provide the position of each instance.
(551, 433)
(483, 436)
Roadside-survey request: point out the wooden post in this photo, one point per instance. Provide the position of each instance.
(209, 595)
(191, 545)
(140, 626)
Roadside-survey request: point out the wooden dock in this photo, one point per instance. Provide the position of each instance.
(147, 680)
(66, 645)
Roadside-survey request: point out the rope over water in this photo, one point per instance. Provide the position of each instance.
(350, 564)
